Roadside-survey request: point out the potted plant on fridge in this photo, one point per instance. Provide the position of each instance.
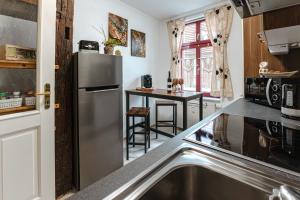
(109, 43)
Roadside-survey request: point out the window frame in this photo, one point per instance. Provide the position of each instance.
(198, 44)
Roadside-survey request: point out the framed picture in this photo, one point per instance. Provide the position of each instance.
(138, 44)
(118, 29)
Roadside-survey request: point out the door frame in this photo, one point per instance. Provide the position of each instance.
(40, 119)
(46, 74)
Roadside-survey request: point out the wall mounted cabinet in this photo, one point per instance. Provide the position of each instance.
(256, 50)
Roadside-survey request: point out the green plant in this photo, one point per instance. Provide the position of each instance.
(112, 42)
(108, 42)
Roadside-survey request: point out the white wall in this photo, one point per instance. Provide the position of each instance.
(157, 62)
(95, 13)
(236, 58)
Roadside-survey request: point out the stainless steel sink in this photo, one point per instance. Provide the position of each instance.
(192, 173)
(196, 183)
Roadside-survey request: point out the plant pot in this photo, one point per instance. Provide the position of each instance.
(109, 50)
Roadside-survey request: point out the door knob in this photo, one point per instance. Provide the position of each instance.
(47, 95)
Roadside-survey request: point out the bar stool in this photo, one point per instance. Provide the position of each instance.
(140, 112)
(166, 123)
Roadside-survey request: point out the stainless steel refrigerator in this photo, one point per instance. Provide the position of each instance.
(98, 146)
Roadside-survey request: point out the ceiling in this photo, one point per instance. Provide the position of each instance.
(166, 9)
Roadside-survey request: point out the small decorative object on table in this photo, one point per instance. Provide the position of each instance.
(144, 89)
(174, 84)
(181, 82)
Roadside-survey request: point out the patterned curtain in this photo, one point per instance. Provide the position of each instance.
(175, 31)
(219, 23)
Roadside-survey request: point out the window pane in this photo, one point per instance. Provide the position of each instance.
(203, 31)
(189, 33)
(206, 63)
(189, 63)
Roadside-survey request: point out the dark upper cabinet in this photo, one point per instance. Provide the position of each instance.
(256, 51)
(282, 18)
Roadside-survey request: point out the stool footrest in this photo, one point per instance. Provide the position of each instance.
(138, 133)
(136, 143)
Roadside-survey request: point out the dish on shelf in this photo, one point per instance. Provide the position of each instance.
(278, 74)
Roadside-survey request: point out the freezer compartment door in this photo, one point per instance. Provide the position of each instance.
(100, 133)
(98, 70)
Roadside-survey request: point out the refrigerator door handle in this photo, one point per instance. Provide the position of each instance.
(98, 91)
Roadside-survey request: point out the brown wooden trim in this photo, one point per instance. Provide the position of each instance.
(16, 110)
(63, 95)
(17, 64)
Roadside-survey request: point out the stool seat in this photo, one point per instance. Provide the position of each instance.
(138, 112)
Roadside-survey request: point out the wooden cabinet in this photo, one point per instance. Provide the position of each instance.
(282, 18)
(256, 51)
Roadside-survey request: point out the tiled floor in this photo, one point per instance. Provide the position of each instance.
(138, 151)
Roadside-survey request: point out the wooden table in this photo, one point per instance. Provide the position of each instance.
(183, 97)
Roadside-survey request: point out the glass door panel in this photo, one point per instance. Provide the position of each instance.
(18, 43)
(189, 68)
(206, 63)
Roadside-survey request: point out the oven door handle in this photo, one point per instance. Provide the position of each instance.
(268, 88)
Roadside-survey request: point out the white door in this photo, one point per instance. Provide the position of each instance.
(27, 158)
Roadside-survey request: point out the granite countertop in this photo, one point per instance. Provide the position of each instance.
(112, 182)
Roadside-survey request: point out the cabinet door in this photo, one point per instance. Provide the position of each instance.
(27, 139)
(256, 51)
(252, 46)
(208, 109)
(193, 114)
(19, 152)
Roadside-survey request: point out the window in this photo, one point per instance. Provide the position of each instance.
(197, 58)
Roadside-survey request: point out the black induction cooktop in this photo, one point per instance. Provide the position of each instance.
(269, 142)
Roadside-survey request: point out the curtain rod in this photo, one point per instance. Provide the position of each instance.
(199, 13)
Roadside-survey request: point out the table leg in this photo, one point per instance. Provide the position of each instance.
(185, 115)
(201, 108)
(147, 106)
(127, 102)
(147, 102)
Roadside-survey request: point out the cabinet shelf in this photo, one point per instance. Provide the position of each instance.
(9, 64)
(15, 110)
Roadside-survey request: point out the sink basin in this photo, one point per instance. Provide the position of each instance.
(194, 173)
(197, 183)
